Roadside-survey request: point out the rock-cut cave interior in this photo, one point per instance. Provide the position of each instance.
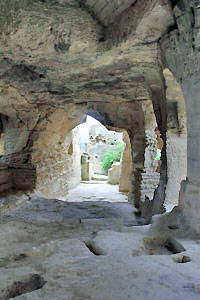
(133, 65)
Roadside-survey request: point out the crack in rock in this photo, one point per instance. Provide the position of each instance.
(26, 284)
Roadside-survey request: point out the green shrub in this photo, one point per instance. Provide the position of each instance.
(112, 156)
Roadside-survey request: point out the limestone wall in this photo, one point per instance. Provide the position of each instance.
(150, 178)
(56, 155)
(180, 50)
(16, 170)
(144, 178)
(176, 138)
(190, 191)
(176, 165)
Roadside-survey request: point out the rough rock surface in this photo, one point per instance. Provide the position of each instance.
(114, 173)
(44, 256)
(105, 60)
(95, 191)
(71, 56)
(56, 156)
(176, 138)
(180, 53)
(126, 165)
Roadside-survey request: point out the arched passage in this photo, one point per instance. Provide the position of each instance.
(59, 60)
(84, 70)
(48, 132)
(48, 155)
(47, 141)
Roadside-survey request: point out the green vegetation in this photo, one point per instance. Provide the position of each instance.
(112, 156)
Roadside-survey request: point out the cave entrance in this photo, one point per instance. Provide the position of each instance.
(106, 161)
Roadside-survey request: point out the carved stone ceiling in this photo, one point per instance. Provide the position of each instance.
(56, 52)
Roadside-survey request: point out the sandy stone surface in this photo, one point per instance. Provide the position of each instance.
(58, 55)
(95, 192)
(50, 251)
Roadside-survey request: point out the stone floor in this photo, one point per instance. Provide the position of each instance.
(56, 250)
(100, 191)
(95, 191)
(99, 177)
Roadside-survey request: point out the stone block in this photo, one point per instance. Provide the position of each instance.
(85, 167)
(113, 174)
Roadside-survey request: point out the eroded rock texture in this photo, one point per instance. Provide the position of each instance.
(180, 53)
(56, 156)
(51, 249)
(61, 60)
(74, 57)
(176, 138)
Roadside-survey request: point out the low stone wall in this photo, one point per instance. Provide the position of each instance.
(114, 173)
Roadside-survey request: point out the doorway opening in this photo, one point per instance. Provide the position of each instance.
(106, 162)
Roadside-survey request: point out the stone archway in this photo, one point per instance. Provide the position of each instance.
(99, 67)
(46, 143)
(138, 119)
(40, 146)
(59, 60)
